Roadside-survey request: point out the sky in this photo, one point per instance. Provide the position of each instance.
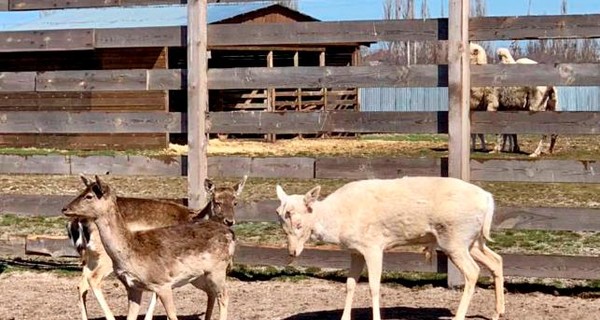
(333, 10)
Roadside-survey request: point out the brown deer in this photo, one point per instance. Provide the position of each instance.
(141, 214)
(161, 259)
(369, 216)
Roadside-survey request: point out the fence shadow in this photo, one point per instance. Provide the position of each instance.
(395, 313)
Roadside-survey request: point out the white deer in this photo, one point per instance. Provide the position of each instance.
(370, 216)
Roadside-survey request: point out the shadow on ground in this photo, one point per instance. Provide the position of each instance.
(186, 317)
(399, 313)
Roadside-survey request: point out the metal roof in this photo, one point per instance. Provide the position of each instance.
(130, 17)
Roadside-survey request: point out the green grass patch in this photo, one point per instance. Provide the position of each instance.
(14, 225)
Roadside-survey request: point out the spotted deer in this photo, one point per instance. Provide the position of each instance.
(141, 214)
(369, 216)
(160, 259)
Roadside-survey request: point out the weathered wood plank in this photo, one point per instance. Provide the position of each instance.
(534, 27)
(90, 122)
(535, 122)
(536, 171)
(3, 5)
(326, 122)
(17, 81)
(563, 74)
(519, 218)
(109, 80)
(295, 167)
(557, 219)
(298, 77)
(33, 205)
(542, 266)
(140, 37)
(128, 165)
(371, 168)
(324, 33)
(317, 77)
(48, 164)
(47, 40)
(59, 4)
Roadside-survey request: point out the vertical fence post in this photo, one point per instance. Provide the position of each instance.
(197, 86)
(458, 106)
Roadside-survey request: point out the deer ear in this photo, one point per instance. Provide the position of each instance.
(209, 186)
(281, 195)
(240, 186)
(312, 196)
(100, 188)
(85, 180)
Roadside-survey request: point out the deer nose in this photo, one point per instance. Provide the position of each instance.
(229, 222)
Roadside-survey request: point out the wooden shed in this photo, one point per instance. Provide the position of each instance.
(161, 57)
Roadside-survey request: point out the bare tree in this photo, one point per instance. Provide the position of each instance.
(292, 4)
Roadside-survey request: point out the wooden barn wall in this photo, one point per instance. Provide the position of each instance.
(117, 101)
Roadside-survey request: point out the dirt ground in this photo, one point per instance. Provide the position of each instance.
(29, 295)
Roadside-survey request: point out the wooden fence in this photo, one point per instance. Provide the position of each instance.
(453, 122)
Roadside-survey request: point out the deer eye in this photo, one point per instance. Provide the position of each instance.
(89, 196)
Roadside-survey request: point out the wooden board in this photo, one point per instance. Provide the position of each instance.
(140, 37)
(128, 165)
(293, 167)
(371, 168)
(518, 218)
(558, 219)
(316, 77)
(542, 266)
(47, 164)
(327, 122)
(562, 74)
(535, 122)
(17, 81)
(90, 122)
(536, 171)
(47, 40)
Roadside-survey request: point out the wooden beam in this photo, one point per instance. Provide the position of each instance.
(535, 122)
(542, 266)
(371, 168)
(300, 77)
(140, 37)
(458, 103)
(197, 81)
(91, 122)
(563, 74)
(330, 121)
(336, 77)
(47, 40)
(551, 171)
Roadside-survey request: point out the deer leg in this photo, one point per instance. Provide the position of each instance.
(540, 148)
(553, 138)
(498, 146)
(95, 279)
(357, 264)
(223, 300)
(83, 288)
(134, 297)
(491, 260)
(470, 270)
(374, 260)
(166, 298)
(483, 146)
(151, 306)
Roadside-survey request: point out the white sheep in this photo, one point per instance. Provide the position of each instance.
(369, 216)
(481, 98)
(536, 98)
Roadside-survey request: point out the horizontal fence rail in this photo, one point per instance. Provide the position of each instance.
(518, 218)
(531, 171)
(305, 33)
(258, 122)
(295, 77)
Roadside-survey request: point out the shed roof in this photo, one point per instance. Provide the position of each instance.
(137, 17)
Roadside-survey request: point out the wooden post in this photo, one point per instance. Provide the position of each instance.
(270, 137)
(458, 107)
(197, 77)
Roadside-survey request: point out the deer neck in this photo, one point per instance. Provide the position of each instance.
(326, 225)
(115, 236)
